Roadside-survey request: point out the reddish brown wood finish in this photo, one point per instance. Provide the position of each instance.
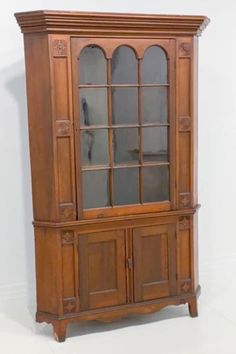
(102, 269)
(110, 24)
(103, 264)
(59, 330)
(154, 258)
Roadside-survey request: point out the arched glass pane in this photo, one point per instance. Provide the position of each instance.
(92, 65)
(154, 66)
(124, 67)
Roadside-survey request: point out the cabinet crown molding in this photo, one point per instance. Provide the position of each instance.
(109, 24)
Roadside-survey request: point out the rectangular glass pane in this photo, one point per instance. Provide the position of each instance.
(155, 144)
(95, 189)
(126, 186)
(124, 105)
(94, 147)
(125, 145)
(155, 184)
(154, 105)
(93, 106)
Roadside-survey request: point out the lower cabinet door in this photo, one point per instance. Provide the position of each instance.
(154, 250)
(102, 276)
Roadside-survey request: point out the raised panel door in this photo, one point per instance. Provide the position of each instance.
(154, 262)
(102, 275)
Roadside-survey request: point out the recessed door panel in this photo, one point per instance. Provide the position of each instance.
(154, 262)
(102, 269)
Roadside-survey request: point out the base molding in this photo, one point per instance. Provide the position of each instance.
(60, 322)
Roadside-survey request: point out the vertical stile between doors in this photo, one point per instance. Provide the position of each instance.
(110, 132)
(140, 130)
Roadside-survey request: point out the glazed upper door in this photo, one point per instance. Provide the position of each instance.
(154, 253)
(102, 279)
(125, 131)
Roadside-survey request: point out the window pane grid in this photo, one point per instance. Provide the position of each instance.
(143, 171)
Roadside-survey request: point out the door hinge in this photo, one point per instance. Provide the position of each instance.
(129, 263)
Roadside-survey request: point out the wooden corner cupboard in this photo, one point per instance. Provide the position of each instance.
(112, 106)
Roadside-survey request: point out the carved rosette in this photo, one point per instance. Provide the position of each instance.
(67, 237)
(67, 212)
(59, 48)
(63, 128)
(185, 49)
(184, 223)
(186, 287)
(69, 305)
(184, 124)
(185, 200)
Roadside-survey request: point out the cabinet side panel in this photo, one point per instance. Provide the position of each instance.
(184, 86)
(64, 166)
(185, 267)
(40, 125)
(68, 271)
(47, 250)
(195, 120)
(184, 163)
(61, 88)
(184, 121)
(63, 133)
(70, 279)
(194, 252)
(186, 255)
